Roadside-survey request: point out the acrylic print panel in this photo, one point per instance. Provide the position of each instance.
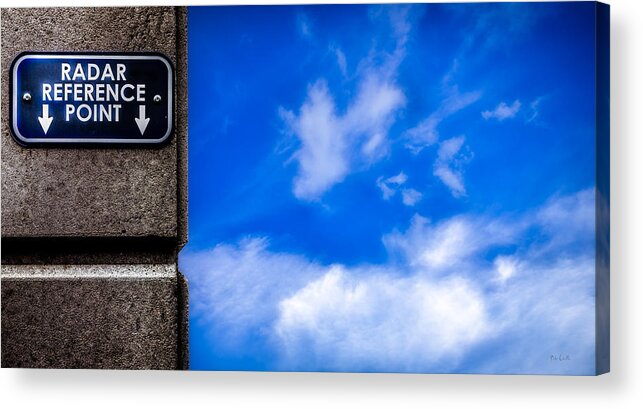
(394, 188)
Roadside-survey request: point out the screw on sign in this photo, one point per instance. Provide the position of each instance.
(92, 99)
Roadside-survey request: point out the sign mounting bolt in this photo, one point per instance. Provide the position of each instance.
(26, 97)
(157, 98)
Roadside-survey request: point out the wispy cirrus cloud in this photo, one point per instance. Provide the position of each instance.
(448, 167)
(533, 114)
(449, 163)
(411, 196)
(392, 185)
(304, 26)
(323, 157)
(332, 144)
(427, 309)
(493, 28)
(341, 60)
(426, 133)
(498, 27)
(502, 111)
(440, 248)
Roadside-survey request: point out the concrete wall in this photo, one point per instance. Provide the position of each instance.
(90, 236)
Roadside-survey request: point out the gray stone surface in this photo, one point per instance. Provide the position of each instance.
(119, 317)
(184, 339)
(182, 122)
(94, 192)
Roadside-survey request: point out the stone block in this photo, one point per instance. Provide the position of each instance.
(95, 192)
(92, 316)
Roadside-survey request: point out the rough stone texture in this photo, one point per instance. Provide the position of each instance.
(184, 339)
(94, 192)
(85, 322)
(182, 122)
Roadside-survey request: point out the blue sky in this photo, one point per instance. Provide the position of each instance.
(392, 188)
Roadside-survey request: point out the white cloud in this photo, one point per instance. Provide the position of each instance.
(534, 109)
(304, 26)
(323, 157)
(344, 322)
(497, 28)
(506, 267)
(369, 117)
(503, 111)
(427, 310)
(400, 21)
(387, 192)
(411, 196)
(333, 144)
(573, 213)
(235, 288)
(449, 148)
(447, 168)
(434, 247)
(448, 165)
(425, 133)
(341, 61)
(546, 309)
(390, 185)
(398, 179)
(566, 218)
(438, 248)
(452, 179)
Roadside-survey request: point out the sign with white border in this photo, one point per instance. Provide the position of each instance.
(91, 99)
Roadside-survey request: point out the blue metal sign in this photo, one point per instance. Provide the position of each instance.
(90, 98)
